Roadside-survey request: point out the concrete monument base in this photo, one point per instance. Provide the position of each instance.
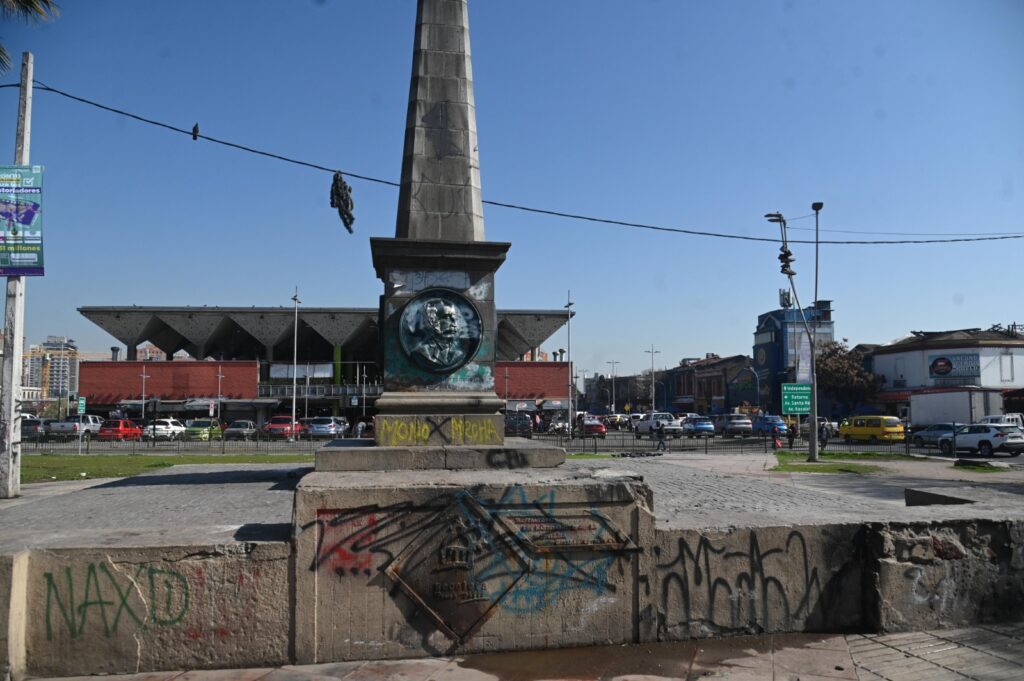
(413, 563)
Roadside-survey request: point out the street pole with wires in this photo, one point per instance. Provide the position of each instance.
(786, 258)
(571, 416)
(295, 361)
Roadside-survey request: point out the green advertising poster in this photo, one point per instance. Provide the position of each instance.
(21, 221)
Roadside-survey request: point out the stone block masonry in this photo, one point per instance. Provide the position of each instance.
(131, 609)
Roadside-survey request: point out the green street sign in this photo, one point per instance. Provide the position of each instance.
(81, 405)
(796, 398)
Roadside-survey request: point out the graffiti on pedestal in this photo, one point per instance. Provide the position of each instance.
(461, 558)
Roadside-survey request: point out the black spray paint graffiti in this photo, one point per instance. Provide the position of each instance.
(361, 542)
(712, 585)
(163, 594)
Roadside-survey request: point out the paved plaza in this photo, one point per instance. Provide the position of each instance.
(986, 653)
(253, 502)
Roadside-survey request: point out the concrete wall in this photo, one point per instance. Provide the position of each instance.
(129, 610)
(745, 581)
(91, 611)
(542, 572)
(948, 574)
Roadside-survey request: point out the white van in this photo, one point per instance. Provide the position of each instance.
(1014, 419)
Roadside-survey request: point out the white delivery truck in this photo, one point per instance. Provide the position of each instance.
(953, 405)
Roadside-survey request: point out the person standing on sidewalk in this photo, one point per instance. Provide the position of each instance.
(661, 436)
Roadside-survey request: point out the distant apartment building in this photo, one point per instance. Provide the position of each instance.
(52, 367)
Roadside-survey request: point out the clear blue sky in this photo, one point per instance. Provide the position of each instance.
(902, 117)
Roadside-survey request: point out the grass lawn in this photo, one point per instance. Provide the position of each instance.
(835, 462)
(71, 467)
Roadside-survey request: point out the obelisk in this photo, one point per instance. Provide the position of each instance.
(437, 315)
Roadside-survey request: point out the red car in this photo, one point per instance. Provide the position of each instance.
(282, 427)
(594, 428)
(119, 429)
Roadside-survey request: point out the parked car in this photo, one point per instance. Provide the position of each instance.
(163, 429)
(76, 426)
(765, 424)
(518, 424)
(326, 427)
(241, 430)
(32, 430)
(930, 436)
(650, 422)
(1011, 419)
(592, 427)
(204, 429)
(280, 427)
(616, 421)
(699, 426)
(872, 429)
(119, 430)
(731, 425)
(985, 438)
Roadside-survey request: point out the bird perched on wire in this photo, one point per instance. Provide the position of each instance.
(341, 198)
(195, 132)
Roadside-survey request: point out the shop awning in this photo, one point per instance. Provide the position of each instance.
(257, 403)
(520, 405)
(554, 405)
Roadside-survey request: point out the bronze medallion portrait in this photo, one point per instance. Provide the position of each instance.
(440, 330)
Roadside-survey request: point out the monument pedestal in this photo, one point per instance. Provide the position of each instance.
(414, 563)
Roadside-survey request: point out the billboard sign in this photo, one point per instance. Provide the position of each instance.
(21, 221)
(962, 365)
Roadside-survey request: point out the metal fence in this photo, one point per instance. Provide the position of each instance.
(626, 443)
(177, 446)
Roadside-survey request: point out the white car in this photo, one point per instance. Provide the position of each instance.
(649, 423)
(985, 438)
(163, 429)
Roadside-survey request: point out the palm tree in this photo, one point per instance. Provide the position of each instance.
(26, 10)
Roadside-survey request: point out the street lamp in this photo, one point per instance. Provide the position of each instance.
(652, 352)
(219, 376)
(295, 359)
(570, 417)
(786, 258)
(613, 362)
(143, 376)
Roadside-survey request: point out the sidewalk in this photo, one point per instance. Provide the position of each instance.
(977, 654)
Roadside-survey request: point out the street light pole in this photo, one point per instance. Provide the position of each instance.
(295, 359)
(613, 362)
(652, 352)
(142, 408)
(571, 416)
(219, 376)
(786, 258)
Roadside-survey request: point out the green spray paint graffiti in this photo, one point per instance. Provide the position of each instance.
(161, 598)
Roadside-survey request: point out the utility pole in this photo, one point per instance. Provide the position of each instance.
(571, 416)
(295, 364)
(14, 319)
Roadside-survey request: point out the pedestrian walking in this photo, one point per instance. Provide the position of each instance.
(661, 436)
(360, 427)
(776, 442)
(791, 435)
(824, 433)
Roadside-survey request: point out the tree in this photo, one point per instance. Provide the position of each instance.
(24, 10)
(842, 376)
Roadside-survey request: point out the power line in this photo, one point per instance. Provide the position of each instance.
(527, 209)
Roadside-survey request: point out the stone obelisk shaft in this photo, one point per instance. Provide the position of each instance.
(440, 193)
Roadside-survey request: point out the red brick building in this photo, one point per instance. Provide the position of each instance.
(171, 387)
